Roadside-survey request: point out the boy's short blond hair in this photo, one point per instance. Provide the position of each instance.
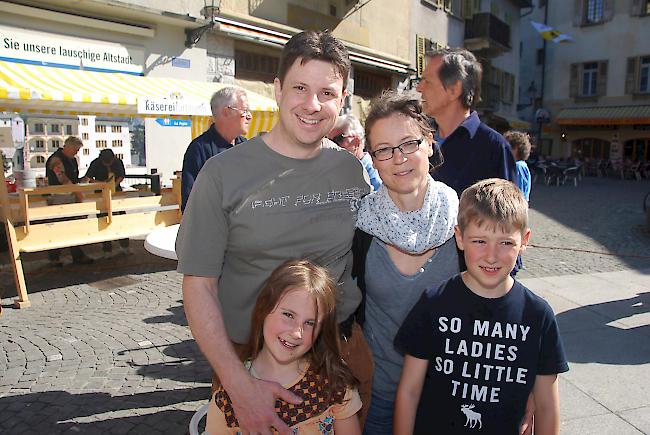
(496, 202)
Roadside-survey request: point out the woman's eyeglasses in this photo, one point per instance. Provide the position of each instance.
(408, 147)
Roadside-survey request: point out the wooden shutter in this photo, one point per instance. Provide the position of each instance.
(467, 9)
(608, 10)
(632, 75)
(574, 80)
(420, 43)
(601, 80)
(579, 12)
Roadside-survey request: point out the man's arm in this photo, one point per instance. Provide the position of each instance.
(408, 394)
(56, 165)
(547, 405)
(253, 400)
(192, 163)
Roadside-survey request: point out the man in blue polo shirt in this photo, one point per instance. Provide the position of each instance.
(472, 151)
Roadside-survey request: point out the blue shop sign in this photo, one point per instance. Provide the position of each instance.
(168, 122)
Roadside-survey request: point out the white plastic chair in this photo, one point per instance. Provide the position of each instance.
(196, 419)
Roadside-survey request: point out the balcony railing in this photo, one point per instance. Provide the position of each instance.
(484, 31)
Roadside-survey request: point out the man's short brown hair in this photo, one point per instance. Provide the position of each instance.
(312, 45)
(496, 202)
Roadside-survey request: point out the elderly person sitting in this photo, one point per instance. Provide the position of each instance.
(348, 133)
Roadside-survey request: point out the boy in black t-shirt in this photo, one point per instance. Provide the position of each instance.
(479, 343)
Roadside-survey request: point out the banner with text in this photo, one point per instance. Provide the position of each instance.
(29, 46)
(173, 106)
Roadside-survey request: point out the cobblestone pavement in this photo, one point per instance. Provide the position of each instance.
(598, 226)
(106, 348)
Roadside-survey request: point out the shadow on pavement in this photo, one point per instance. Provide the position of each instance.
(176, 316)
(591, 336)
(57, 412)
(608, 211)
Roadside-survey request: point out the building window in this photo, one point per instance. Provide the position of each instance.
(85, 136)
(100, 144)
(84, 121)
(644, 75)
(116, 128)
(369, 84)
(86, 152)
(40, 159)
(593, 11)
(55, 128)
(507, 87)
(540, 56)
(119, 156)
(254, 66)
(39, 127)
(589, 79)
(56, 144)
(117, 143)
(68, 129)
(100, 129)
(40, 143)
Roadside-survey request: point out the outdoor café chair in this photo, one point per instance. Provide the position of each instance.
(572, 173)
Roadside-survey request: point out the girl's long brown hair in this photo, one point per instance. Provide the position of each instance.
(325, 356)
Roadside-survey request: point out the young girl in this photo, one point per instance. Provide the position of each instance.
(294, 342)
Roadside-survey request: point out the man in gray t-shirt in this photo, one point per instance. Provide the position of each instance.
(287, 194)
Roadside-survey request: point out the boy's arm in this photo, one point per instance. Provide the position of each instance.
(547, 405)
(348, 425)
(408, 394)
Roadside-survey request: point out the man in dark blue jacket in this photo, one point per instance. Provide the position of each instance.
(231, 118)
(472, 151)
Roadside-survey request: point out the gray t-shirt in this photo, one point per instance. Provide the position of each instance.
(390, 295)
(251, 209)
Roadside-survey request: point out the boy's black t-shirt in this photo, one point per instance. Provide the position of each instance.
(484, 355)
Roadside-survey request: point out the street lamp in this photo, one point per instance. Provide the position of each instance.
(541, 116)
(192, 36)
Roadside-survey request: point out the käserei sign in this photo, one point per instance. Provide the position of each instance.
(23, 45)
(173, 106)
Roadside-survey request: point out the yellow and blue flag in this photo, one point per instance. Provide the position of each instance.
(551, 34)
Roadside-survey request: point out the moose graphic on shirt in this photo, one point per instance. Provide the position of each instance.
(472, 417)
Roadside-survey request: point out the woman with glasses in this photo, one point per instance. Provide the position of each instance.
(404, 241)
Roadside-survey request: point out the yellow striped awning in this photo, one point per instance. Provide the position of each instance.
(23, 82)
(48, 90)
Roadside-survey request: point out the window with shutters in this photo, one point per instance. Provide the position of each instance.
(255, 66)
(369, 84)
(68, 129)
(593, 11)
(100, 144)
(86, 152)
(39, 127)
(637, 80)
(422, 46)
(470, 7)
(507, 87)
(100, 129)
(644, 75)
(55, 128)
(589, 77)
(85, 136)
(588, 80)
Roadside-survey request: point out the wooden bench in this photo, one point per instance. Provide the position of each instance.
(32, 225)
